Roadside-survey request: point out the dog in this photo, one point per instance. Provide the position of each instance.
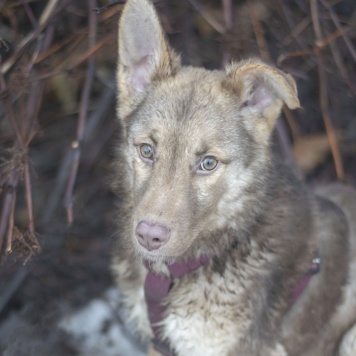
(221, 250)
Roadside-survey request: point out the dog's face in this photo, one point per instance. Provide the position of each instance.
(195, 140)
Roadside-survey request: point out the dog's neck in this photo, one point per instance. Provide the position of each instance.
(156, 289)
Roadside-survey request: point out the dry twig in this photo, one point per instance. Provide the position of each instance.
(23, 119)
(323, 95)
(76, 145)
(281, 130)
(229, 23)
(216, 25)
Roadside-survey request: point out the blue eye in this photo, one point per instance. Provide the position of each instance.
(209, 163)
(146, 153)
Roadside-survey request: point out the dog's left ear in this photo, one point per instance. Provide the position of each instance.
(144, 54)
(262, 90)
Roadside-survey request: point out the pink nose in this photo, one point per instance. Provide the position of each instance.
(151, 236)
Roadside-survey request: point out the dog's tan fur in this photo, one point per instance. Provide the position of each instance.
(260, 226)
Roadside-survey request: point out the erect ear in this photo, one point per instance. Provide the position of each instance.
(262, 90)
(144, 55)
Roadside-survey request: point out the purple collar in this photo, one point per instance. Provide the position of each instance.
(303, 283)
(156, 289)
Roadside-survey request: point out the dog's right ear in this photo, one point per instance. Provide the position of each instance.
(144, 54)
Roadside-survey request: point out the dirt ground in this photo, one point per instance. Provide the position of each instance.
(51, 268)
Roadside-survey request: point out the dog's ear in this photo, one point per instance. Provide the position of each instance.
(262, 91)
(144, 54)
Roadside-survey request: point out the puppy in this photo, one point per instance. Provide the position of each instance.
(222, 251)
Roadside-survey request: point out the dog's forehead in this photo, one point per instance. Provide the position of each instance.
(192, 93)
(191, 103)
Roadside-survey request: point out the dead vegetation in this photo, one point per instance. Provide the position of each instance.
(47, 55)
(57, 95)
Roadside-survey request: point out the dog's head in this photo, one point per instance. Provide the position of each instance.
(196, 142)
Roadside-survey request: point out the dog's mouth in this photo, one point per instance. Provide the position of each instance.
(158, 255)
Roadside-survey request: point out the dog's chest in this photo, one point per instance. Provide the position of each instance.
(202, 313)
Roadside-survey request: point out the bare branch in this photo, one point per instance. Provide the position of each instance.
(76, 145)
(208, 17)
(323, 96)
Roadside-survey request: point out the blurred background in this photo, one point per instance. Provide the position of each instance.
(58, 130)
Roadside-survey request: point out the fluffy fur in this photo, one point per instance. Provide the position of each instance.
(260, 225)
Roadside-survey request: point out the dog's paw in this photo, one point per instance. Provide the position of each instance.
(348, 344)
(152, 351)
(278, 350)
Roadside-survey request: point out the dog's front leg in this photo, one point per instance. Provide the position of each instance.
(130, 276)
(152, 351)
(278, 350)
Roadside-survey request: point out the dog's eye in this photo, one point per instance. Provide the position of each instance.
(209, 163)
(146, 151)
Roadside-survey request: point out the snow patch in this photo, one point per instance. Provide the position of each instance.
(97, 329)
